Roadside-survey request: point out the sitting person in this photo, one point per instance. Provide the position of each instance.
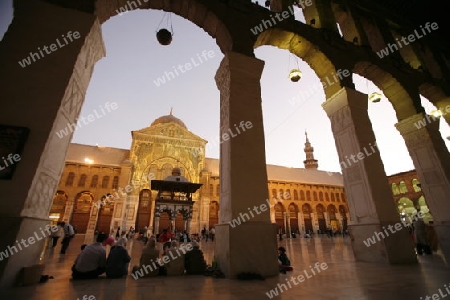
(92, 260)
(285, 263)
(118, 260)
(165, 239)
(148, 262)
(176, 264)
(76, 259)
(194, 260)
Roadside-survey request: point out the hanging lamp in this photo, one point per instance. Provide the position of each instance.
(373, 97)
(164, 35)
(295, 74)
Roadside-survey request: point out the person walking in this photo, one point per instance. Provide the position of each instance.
(55, 235)
(68, 235)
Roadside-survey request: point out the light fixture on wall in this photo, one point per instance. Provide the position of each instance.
(294, 74)
(163, 35)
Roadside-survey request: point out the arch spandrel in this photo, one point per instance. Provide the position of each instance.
(403, 102)
(304, 49)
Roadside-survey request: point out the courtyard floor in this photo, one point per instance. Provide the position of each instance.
(343, 279)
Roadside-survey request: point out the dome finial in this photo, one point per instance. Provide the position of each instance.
(171, 111)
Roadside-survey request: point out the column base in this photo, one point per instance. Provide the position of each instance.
(249, 247)
(443, 233)
(20, 229)
(393, 248)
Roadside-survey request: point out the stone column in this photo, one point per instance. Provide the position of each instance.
(301, 223)
(432, 161)
(57, 81)
(368, 191)
(156, 230)
(327, 219)
(313, 223)
(243, 172)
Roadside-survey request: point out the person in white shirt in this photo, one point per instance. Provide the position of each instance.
(68, 235)
(92, 260)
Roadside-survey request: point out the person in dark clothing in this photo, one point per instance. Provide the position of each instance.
(285, 263)
(194, 261)
(118, 260)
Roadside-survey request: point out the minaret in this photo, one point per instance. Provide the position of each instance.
(310, 162)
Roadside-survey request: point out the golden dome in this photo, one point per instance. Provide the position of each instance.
(169, 119)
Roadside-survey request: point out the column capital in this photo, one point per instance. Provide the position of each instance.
(248, 67)
(345, 97)
(416, 122)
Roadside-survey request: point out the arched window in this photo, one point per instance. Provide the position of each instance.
(287, 195)
(218, 190)
(211, 189)
(302, 195)
(395, 190)
(82, 180)
(308, 195)
(105, 182)
(337, 197)
(94, 181)
(295, 195)
(70, 179)
(332, 197)
(403, 188)
(327, 198)
(416, 185)
(281, 194)
(320, 196)
(343, 197)
(315, 196)
(274, 193)
(115, 184)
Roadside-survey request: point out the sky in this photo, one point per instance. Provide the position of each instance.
(128, 75)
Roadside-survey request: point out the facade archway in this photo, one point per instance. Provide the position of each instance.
(320, 209)
(105, 215)
(343, 216)
(213, 214)
(406, 208)
(293, 218)
(334, 222)
(279, 217)
(144, 209)
(58, 206)
(307, 211)
(82, 210)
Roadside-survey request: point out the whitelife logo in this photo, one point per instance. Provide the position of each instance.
(53, 47)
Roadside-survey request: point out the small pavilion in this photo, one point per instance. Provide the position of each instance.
(174, 197)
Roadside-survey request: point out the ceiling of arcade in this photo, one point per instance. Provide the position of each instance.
(230, 21)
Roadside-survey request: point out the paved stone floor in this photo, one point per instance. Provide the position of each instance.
(343, 279)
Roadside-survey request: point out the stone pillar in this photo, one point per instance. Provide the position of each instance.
(314, 223)
(432, 161)
(327, 219)
(366, 185)
(243, 172)
(92, 223)
(156, 231)
(56, 80)
(188, 225)
(301, 223)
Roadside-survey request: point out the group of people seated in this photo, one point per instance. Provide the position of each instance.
(92, 260)
(181, 259)
(175, 259)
